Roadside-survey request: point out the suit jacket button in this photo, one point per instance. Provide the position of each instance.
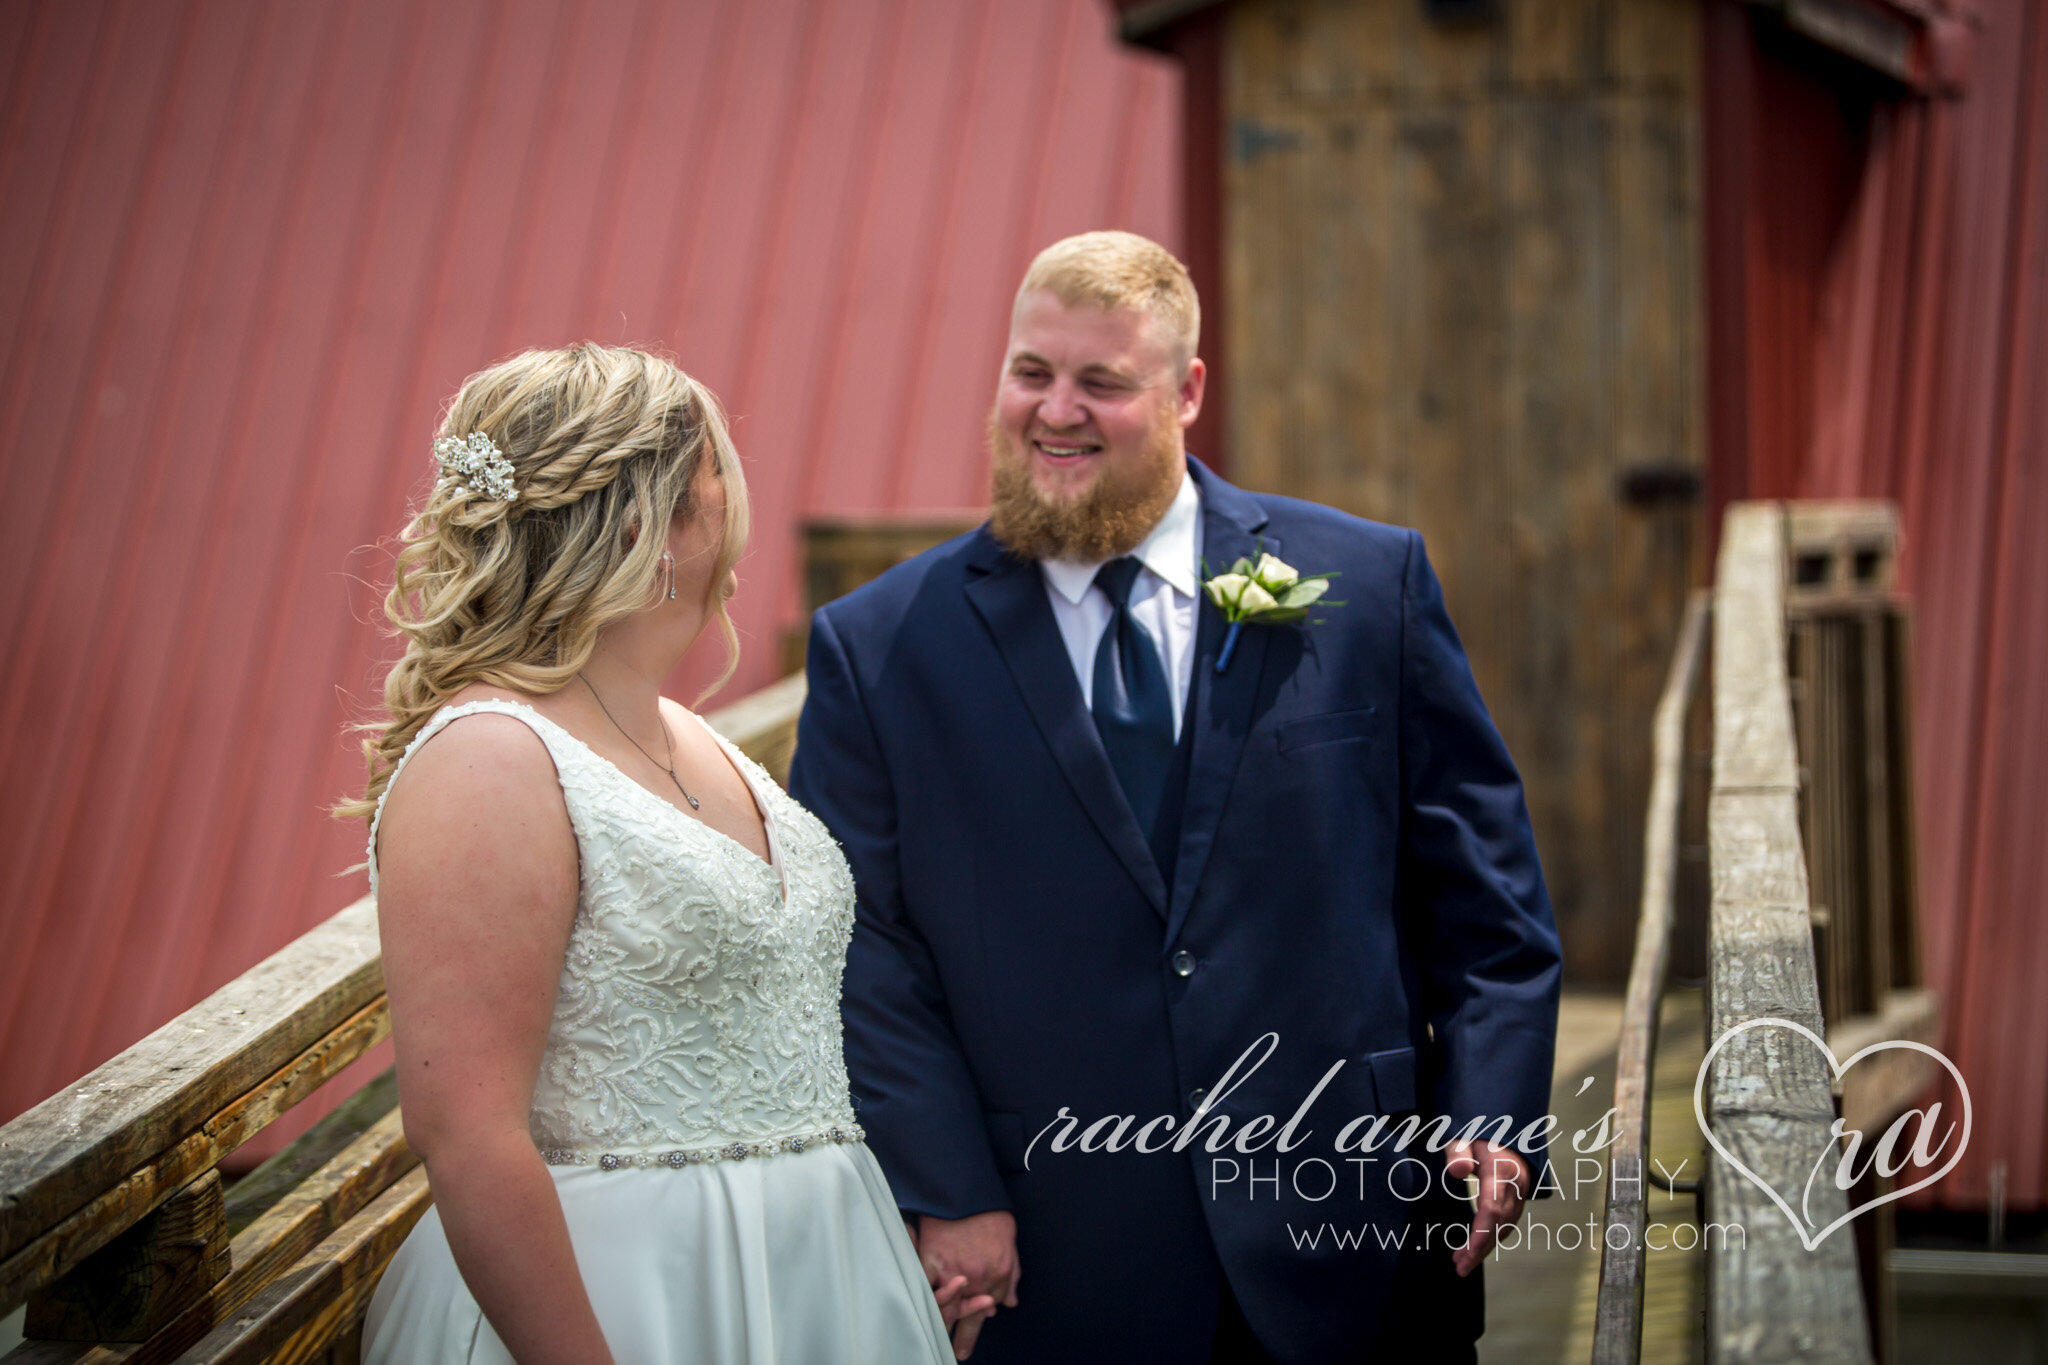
(1183, 963)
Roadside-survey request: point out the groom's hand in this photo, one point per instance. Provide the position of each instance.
(1503, 1183)
(982, 1250)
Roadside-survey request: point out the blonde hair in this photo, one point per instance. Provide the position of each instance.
(1121, 270)
(605, 445)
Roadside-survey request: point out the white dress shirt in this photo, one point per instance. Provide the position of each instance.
(1162, 598)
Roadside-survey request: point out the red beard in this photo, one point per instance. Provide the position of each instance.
(1110, 519)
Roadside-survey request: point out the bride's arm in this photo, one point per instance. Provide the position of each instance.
(477, 876)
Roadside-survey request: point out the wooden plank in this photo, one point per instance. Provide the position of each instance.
(53, 1253)
(1769, 1100)
(1875, 817)
(298, 1315)
(325, 1202)
(1904, 872)
(1841, 553)
(347, 1346)
(141, 1106)
(1826, 522)
(256, 1192)
(1828, 709)
(274, 1241)
(1768, 1298)
(128, 1289)
(1618, 1325)
(1753, 745)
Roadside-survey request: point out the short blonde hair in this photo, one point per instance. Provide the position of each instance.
(1114, 270)
(605, 442)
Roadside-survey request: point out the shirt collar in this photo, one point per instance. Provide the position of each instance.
(1170, 551)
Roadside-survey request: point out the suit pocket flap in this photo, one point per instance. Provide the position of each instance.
(1327, 729)
(1393, 1079)
(1006, 1140)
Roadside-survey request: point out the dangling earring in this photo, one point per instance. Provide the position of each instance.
(669, 562)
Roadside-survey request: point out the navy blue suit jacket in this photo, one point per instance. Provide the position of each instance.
(1356, 873)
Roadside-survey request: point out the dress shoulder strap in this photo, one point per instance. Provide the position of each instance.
(548, 731)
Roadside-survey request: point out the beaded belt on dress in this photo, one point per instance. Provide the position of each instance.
(696, 1156)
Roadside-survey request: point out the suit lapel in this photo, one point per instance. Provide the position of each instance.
(1009, 594)
(1220, 707)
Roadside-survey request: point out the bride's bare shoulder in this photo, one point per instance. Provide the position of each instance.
(477, 815)
(487, 760)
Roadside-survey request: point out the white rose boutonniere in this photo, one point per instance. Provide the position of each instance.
(1268, 593)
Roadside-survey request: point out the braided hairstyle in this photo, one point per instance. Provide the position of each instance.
(604, 442)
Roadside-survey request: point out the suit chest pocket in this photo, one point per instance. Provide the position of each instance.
(1335, 727)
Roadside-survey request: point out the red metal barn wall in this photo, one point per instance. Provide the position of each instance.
(1878, 300)
(247, 251)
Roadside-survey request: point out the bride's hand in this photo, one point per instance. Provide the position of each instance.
(955, 1303)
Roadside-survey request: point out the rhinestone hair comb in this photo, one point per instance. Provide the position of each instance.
(479, 461)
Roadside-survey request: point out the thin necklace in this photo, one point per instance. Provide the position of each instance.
(670, 766)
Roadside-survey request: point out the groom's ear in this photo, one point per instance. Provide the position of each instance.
(1192, 385)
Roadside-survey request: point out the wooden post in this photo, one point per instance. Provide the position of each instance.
(142, 1279)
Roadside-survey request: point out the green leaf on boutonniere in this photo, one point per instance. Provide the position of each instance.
(1268, 592)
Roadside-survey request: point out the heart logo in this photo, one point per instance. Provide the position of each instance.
(1799, 1225)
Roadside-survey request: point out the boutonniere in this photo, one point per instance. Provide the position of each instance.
(1268, 593)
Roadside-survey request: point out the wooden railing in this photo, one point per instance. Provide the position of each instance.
(1809, 718)
(1619, 1311)
(116, 1227)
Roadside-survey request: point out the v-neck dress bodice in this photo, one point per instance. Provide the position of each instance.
(692, 1088)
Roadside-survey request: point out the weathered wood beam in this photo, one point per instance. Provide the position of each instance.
(1618, 1324)
(84, 1165)
(300, 1313)
(271, 1243)
(1753, 745)
(255, 1193)
(1770, 1101)
(130, 1288)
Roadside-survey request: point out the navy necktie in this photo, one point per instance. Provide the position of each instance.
(1133, 709)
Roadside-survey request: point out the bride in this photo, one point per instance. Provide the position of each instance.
(612, 943)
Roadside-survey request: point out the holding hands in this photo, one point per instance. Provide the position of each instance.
(972, 1265)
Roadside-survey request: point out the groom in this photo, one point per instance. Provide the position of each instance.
(1112, 894)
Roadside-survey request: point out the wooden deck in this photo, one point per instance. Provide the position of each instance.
(1540, 1293)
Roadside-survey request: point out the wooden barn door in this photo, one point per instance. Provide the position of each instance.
(1462, 253)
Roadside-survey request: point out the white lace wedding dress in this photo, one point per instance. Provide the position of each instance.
(692, 1102)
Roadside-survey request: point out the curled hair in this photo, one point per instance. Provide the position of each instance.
(604, 442)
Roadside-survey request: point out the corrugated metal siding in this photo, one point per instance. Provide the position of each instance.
(1920, 379)
(248, 250)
